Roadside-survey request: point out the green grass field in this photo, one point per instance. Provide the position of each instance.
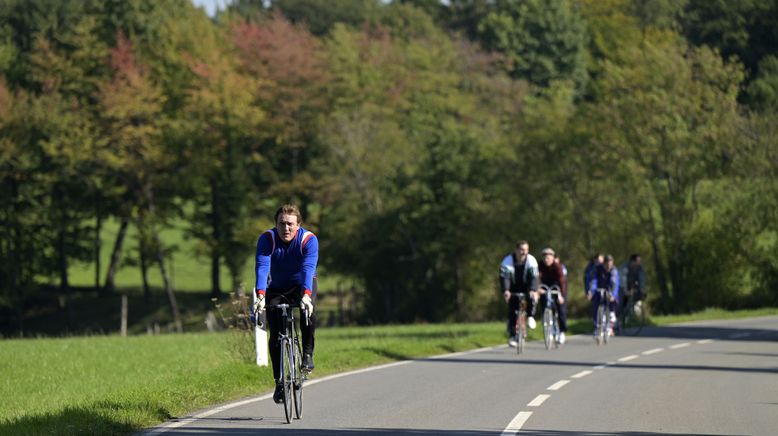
(189, 269)
(114, 385)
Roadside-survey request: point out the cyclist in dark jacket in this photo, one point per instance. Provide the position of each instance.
(596, 260)
(552, 273)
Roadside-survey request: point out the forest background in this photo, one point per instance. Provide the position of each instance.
(421, 139)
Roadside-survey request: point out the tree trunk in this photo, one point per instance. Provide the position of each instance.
(216, 291)
(166, 282)
(161, 260)
(144, 270)
(216, 227)
(113, 266)
(97, 246)
(661, 276)
(64, 284)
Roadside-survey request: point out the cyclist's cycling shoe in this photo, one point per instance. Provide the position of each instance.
(308, 363)
(531, 322)
(512, 342)
(278, 395)
(562, 338)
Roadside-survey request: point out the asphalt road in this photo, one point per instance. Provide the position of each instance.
(711, 378)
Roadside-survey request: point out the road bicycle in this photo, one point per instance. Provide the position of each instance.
(551, 316)
(632, 316)
(521, 321)
(291, 372)
(602, 323)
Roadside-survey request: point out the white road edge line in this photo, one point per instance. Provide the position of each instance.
(516, 423)
(558, 385)
(162, 428)
(628, 358)
(681, 345)
(538, 400)
(652, 351)
(705, 341)
(581, 374)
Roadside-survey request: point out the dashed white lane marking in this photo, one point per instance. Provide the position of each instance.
(677, 346)
(558, 385)
(516, 423)
(739, 335)
(600, 366)
(653, 351)
(581, 374)
(538, 400)
(705, 341)
(162, 428)
(628, 358)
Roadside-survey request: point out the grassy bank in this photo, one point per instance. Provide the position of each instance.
(114, 385)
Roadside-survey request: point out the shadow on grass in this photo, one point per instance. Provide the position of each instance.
(103, 418)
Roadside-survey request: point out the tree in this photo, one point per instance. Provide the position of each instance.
(542, 41)
(224, 113)
(670, 114)
(131, 108)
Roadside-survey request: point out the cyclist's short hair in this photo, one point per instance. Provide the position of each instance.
(289, 209)
(634, 257)
(522, 242)
(608, 257)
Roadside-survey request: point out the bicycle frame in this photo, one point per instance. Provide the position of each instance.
(521, 321)
(603, 317)
(290, 371)
(551, 315)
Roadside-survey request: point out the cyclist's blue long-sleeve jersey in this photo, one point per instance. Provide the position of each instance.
(604, 279)
(282, 266)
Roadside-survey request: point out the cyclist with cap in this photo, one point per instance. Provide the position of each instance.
(519, 273)
(553, 274)
(606, 276)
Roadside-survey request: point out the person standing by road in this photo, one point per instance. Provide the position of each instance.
(285, 267)
(519, 273)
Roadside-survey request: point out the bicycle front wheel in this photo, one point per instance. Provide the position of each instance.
(287, 367)
(548, 327)
(600, 331)
(634, 318)
(521, 332)
(298, 381)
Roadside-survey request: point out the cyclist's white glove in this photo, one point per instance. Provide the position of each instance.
(307, 304)
(259, 304)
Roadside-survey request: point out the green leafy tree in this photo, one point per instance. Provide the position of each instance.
(542, 41)
(224, 115)
(132, 121)
(670, 115)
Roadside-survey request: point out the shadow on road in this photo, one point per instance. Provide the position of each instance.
(402, 431)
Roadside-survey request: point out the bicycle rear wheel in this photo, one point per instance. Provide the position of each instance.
(287, 375)
(298, 381)
(521, 331)
(600, 330)
(634, 318)
(548, 327)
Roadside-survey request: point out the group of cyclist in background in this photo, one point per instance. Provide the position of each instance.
(520, 273)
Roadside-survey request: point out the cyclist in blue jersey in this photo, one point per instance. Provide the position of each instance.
(286, 262)
(606, 276)
(595, 261)
(519, 273)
